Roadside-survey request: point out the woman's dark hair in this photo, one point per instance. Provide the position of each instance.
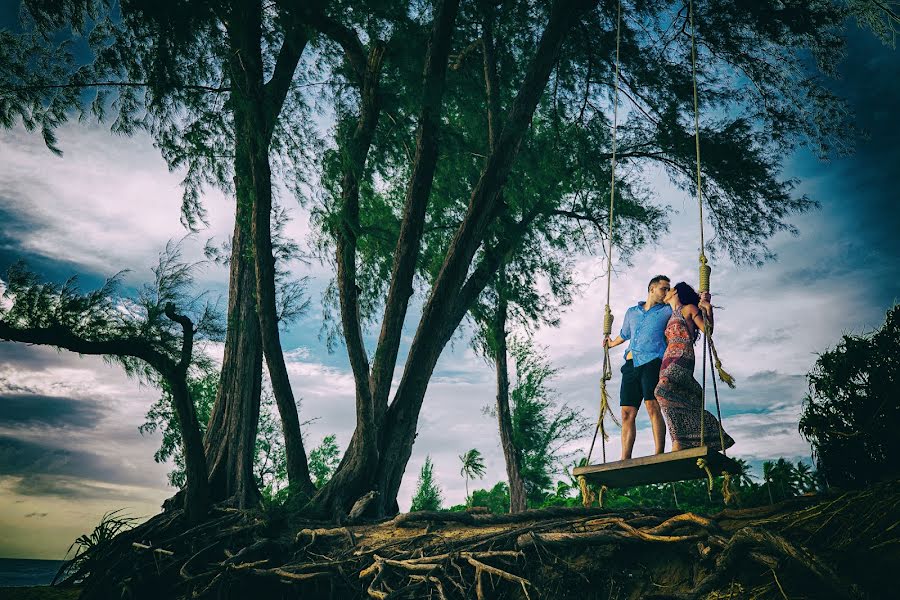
(686, 294)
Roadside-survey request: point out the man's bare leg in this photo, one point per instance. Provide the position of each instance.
(629, 429)
(658, 424)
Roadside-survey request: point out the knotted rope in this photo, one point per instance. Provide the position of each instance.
(702, 464)
(608, 316)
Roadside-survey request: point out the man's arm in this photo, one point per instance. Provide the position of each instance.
(613, 343)
(624, 334)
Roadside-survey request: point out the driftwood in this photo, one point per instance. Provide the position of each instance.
(839, 546)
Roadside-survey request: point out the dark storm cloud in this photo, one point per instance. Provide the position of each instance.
(20, 356)
(45, 469)
(18, 410)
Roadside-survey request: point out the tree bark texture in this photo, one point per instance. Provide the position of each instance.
(253, 183)
(231, 433)
(441, 314)
(232, 430)
(355, 473)
(511, 455)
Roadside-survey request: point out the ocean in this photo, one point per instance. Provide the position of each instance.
(16, 572)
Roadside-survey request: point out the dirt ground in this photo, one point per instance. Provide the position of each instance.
(843, 545)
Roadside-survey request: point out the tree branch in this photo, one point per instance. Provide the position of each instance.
(96, 84)
(276, 89)
(413, 220)
(187, 340)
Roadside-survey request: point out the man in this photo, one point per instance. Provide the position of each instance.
(644, 326)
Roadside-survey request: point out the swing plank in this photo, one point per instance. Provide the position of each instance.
(659, 468)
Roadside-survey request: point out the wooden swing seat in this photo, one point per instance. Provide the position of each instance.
(659, 468)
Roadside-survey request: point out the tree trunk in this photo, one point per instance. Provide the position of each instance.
(197, 497)
(517, 499)
(253, 183)
(354, 475)
(439, 316)
(175, 374)
(231, 433)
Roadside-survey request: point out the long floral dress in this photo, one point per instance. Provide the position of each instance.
(679, 395)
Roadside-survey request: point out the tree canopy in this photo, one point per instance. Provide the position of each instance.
(429, 174)
(851, 413)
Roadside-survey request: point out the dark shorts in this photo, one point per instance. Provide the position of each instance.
(639, 383)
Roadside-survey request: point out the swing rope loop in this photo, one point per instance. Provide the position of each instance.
(608, 316)
(705, 269)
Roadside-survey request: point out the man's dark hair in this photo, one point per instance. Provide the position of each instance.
(656, 280)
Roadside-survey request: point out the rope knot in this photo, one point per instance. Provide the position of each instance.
(608, 321)
(727, 495)
(702, 464)
(587, 495)
(705, 271)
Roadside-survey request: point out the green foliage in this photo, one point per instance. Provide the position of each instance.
(541, 427)
(428, 494)
(496, 498)
(324, 460)
(270, 459)
(108, 315)
(882, 17)
(156, 66)
(782, 479)
(162, 417)
(472, 467)
(851, 415)
(87, 546)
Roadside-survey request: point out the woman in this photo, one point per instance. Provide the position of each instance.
(679, 395)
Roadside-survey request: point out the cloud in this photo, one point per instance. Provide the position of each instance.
(36, 514)
(46, 468)
(21, 410)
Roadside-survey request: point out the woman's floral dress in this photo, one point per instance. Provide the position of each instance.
(679, 395)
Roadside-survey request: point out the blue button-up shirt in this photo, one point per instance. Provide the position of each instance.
(646, 331)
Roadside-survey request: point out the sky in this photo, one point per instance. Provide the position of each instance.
(70, 449)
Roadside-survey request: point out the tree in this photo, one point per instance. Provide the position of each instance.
(851, 413)
(390, 208)
(163, 418)
(171, 69)
(324, 459)
(540, 427)
(496, 499)
(428, 494)
(151, 336)
(391, 211)
(472, 467)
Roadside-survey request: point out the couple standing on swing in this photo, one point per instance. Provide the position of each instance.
(659, 367)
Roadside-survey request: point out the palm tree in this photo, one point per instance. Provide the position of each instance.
(742, 478)
(472, 466)
(768, 467)
(806, 477)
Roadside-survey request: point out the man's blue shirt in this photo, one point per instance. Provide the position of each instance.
(646, 331)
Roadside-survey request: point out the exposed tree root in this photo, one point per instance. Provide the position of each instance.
(839, 546)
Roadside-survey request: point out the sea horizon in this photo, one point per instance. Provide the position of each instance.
(22, 572)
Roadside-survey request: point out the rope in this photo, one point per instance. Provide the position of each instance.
(603, 488)
(714, 357)
(702, 464)
(708, 340)
(587, 495)
(727, 495)
(608, 316)
(705, 269)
